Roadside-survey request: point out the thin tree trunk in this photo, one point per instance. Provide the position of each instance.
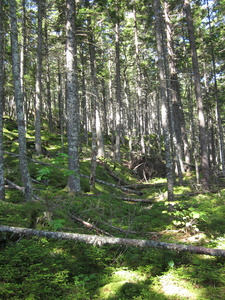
(48, 79)
(38, 98)
(138, 83)
(2, 180)
(164, 108)
(60, 104)
(19, 105)
(217, 111)
(72, 102)
(118, 90)
(22, 58)
(197, 80)
(102, 240)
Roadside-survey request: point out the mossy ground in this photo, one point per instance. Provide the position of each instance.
(37, 268)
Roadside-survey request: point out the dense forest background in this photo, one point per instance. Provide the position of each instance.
(148, 74)
(111, 122)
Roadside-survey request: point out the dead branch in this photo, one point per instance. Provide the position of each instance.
(89, 225)
(140, 186)
(97, 180)
(134, 200)
(101, 240)
(14, 186)
(122, 188)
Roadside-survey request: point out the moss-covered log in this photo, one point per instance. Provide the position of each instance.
(101, 240)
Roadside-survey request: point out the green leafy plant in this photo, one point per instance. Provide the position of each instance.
(44, 173)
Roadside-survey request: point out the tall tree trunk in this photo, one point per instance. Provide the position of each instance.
(60, 104)
(138, 83)
(217, 111)
(84, 100)
(72, 102)
(19, 105)
(118, 89)
(2, 180)
(163, 92)
(177, 111)
(197, 81)
(94, 97)
(23, 58)
(48, 77)
(38, 98)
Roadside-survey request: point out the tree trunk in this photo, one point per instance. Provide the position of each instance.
(218, 108)
(138, 84)
(164, 108)
(48, 78)
(38, 98)
(177, 114)
(19, 105)
(118, 90)
(197, 80)
(102, 240)
(2, 181)
(72, 102)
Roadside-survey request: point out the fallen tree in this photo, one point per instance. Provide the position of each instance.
(101, 240)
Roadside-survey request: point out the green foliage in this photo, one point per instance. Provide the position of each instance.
(44, 173)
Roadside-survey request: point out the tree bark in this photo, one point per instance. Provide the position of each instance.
(102, 240)
(117, 153)
(163, 92)
(2, 182)
(19, 105)
(72, 102)
(197, 79)
(38, 98)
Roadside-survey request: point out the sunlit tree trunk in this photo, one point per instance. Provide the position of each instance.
(138, 84)
(19, 104)
(23, 58)
(197, 82)
(164, 107)
(118, 89)
(218, 108)
(2, 180)
(178, 115)
(72, 102)
(48, 78)
(38, 98)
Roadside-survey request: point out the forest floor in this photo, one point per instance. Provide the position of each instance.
(40, 268)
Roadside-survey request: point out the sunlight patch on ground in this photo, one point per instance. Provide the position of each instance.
(120, 278)
(172, 286)
(128, 275)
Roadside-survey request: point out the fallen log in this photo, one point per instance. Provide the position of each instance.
(102, 240)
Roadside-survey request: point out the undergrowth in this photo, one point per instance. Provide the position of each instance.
(37, 268)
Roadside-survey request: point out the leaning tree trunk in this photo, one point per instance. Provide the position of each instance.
(197, 80)
(164, 108)
(72, 102)
(19, 104)
(2, 181)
